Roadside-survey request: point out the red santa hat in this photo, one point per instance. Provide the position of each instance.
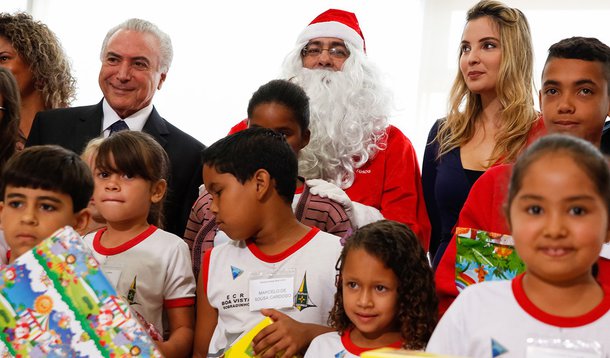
(335, 23)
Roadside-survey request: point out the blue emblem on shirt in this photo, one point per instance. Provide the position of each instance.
(497, 349)
(236, 272)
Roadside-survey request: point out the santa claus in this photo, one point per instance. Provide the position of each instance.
(353, 148)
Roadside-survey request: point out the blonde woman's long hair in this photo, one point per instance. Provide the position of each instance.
(514, 88)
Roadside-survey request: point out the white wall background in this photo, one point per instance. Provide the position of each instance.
(224, 50)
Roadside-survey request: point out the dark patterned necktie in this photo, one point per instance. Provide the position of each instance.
(118, 126)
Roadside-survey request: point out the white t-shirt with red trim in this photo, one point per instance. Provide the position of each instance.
(221, 237)
(332, 345)
(498, 316)
(228, 268)
(151, 272)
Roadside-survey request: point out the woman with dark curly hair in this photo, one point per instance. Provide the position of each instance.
(385, 294)
(9, 115)
(32, 52)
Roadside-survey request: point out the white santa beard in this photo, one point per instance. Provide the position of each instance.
(348, 120)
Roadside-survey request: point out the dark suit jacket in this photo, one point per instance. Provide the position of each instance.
(72, 128)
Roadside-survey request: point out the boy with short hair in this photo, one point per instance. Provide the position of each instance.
(575, 100)
(284, 107)
(43, 189)
(275, 264)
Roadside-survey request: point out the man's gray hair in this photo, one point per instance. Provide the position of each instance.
(166, 52)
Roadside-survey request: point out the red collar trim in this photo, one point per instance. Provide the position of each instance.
(351, 347)
(559, 321)
(282, 255)
(97, 245)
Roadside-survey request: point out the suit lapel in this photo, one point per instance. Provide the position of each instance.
(87, 126)
(90, 121)
(156, 127)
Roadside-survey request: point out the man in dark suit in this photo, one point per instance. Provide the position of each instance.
(136, 56)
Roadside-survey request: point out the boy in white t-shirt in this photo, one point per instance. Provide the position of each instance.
(275, 266)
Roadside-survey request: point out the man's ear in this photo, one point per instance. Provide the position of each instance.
(158, 191)
(262, 181)
(81, 219)
(163, 76)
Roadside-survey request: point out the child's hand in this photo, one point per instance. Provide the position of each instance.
(284, 336)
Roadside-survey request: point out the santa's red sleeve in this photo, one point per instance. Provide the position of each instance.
(391, 182)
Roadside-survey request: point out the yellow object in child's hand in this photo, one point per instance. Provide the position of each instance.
(242, 348)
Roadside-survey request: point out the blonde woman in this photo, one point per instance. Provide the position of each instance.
(491, 113)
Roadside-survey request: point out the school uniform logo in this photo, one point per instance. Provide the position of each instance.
(302, 300)
(131, 294)
(497, 349)
(236, 272)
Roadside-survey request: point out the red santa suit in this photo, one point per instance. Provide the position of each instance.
(390, 182)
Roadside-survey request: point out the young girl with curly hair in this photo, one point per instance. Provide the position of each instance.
(385, 294)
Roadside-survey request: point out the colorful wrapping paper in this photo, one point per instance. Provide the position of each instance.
(484, 256)
(56, 302)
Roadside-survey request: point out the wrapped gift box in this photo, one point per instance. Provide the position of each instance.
(55, 301)
(484, 256)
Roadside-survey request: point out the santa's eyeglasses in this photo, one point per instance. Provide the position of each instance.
(311, 50)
